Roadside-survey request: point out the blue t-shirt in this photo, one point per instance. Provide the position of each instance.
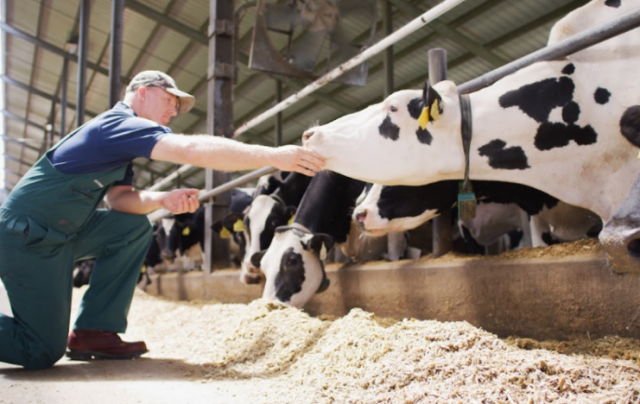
(109, 141)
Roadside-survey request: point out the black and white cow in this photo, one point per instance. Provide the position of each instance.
(187, 230)
(567, 127)
(500, 210)
(293, 264)
(254, 228)
(267, 184)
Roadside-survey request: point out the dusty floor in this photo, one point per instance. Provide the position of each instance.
(267, 353)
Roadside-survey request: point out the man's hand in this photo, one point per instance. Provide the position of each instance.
(181, 201)
(296, 158)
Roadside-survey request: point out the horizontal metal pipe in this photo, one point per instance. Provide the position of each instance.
(204, 196)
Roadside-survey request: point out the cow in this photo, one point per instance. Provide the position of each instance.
(254, 228)
(294, 263)
(267, 184)
(264, 215)
(569, 127)
(501, 207)
(186, 230)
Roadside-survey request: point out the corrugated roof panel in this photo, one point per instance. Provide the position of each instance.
(56, 26)
(67, 8)
(97, 100)
(137, 28)
(21, 62)
(24, 15)
(100, 17)
(46, 79)
(194, 61)
(193, 14)
(157, 5)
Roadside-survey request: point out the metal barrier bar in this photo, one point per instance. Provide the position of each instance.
(204, 196)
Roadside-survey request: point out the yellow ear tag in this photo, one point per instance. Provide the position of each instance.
(143, 269)
(423, 119)
(435, 111)
(238, 226)
(186, 231)
(290, 220)
(639, 155)
(224, 233)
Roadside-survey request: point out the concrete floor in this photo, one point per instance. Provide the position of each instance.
(538, 298)
(142, 381)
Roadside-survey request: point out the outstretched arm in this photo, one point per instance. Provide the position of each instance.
(124, 198)
(229, 155)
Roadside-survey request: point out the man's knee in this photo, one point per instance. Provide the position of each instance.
(41, 357)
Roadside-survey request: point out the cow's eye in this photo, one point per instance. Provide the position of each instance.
(393, 108)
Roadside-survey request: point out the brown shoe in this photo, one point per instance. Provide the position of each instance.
(95, 344)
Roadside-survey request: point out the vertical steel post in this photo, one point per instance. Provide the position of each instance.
(82, 61)
(278, 135)
(387, 23)
(115, 59)
(63, 98)
(219, 122)
(442, 243)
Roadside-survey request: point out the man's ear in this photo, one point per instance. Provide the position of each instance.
(230, 220)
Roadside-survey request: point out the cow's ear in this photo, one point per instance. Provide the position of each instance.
(290, 213)
(320, 243)
(257, 257)
(432, 105)
(221, 229)
(229, 220)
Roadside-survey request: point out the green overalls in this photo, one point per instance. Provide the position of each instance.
(48, 221)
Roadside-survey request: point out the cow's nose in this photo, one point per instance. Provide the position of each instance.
(253, 269)
(361, 216)
(252, 279)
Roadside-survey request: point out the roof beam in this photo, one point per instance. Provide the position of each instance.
(17, 160)
(41, 93)
(51, 48)
(21, 143)
(14, 117)
(169, 22)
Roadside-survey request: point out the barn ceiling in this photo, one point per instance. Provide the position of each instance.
(171, 35)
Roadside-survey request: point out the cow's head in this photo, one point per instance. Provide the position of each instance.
(399, 208)
(231, 227)
(260, 221)
(389, 142)
(293, 265)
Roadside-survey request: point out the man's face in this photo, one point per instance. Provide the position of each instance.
(159, 106)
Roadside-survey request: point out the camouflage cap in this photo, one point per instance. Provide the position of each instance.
(155, 78)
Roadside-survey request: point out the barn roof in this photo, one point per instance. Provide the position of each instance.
(171, 35)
